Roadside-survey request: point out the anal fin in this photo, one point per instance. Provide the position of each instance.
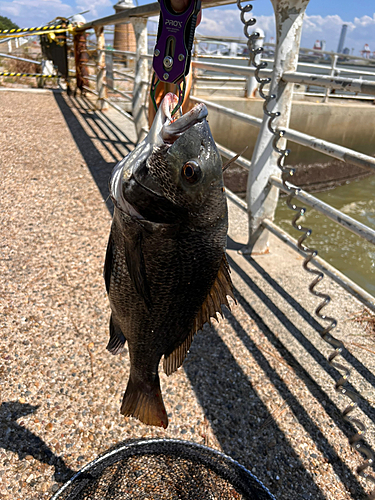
(216, 297)
(117, 338)
(176, 358)
(148, 406)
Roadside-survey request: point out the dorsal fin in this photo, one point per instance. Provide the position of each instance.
(215, 299)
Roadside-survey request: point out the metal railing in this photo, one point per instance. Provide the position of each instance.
(264, 182)
(32, 61)
(267, 166)
(328, 62)
(328, 148)
(349, 85)
(138, 16)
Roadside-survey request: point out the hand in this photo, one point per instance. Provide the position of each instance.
(181, 5)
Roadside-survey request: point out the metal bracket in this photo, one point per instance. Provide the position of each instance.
(174, 43)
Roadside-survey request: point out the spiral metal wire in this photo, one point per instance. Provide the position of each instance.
(338, 346)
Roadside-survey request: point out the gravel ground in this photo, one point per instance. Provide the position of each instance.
(256, 385)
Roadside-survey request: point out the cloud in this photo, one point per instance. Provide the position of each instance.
(43, 11)
(226, 22)
(97, 8)
(359, 31)
(320, 24)
(364, 21)
(221, 22)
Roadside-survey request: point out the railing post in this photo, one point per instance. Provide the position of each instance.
(261, 196)
(251, 83)
(100, 66)
(81, 59)
(333, 72)
(109, 70)
(193, 69)
(141, 78)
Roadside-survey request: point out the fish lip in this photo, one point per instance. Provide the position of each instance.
(171, 129)
(146, 188)
(164, 131)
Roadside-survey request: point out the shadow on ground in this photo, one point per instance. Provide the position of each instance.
(98, 127)
(241, 422)
(20, 440)
(306, 344)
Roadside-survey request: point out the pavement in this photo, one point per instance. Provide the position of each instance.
(256, 386)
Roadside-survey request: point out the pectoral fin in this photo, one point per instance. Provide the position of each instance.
(217, 296)
(108, 263)
(117, 338)
(136, 266)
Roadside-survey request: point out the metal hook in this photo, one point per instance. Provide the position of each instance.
(181, 96)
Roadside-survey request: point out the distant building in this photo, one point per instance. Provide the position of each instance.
(366, 51)
(342, 38)
(317, 45)
(124, 33)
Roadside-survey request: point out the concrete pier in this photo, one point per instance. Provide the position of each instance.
(332, 121)
(257, 385)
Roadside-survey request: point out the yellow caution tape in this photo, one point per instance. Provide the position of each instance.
(40, 30)
(27, 74)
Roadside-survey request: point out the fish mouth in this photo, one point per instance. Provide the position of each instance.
(164, 132)
(169, 128)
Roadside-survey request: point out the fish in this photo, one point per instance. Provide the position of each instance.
(165, 271)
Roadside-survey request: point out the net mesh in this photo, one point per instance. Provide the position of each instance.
(163, 469)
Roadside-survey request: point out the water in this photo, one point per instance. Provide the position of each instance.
(349, 253)
(352, 255)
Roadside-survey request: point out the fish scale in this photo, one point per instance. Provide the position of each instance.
(165, 270)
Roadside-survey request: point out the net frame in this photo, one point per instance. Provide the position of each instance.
(216, 462)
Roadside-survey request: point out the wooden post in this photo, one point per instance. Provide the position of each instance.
(141, 78)
(261, 197)
(81, 60)
(100, 66)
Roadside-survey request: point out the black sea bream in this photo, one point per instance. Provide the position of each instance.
(166, 272)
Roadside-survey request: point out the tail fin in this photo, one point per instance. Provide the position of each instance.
(148, 406)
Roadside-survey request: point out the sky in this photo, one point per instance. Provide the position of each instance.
(323, 19)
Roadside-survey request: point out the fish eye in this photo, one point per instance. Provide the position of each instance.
(191, 171)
